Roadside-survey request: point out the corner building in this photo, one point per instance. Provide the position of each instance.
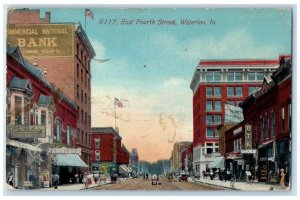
(65, 52)
(214, 84)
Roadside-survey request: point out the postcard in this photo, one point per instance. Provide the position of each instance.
(148, 99)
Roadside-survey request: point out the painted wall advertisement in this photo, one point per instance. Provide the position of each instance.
(42, 39)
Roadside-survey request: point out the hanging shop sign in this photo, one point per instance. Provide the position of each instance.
(248, 137)
(248, 151)
(22, 145)
(64, 150)
(25, 131)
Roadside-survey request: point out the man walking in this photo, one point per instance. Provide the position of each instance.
(55, 179)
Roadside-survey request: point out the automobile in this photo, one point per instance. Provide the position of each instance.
(114, 178)
(183, 177)
(135, 175)
(170, 176)
(155, 180)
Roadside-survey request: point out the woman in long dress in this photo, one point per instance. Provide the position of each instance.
(282, 175)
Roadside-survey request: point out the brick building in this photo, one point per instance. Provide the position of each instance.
(187, 158)
(268, 113)
(108, 151)
(214, 84)
(34, 103)
(176, 155)
(65, 51)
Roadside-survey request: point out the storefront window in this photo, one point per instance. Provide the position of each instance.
(259, 76)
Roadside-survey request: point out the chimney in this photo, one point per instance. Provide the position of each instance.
(47, 17)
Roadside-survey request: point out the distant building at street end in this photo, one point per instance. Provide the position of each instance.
(108, 151)
(176, 155)
(217, 83)
(134, 160)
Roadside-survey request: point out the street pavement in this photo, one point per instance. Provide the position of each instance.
(141, 184)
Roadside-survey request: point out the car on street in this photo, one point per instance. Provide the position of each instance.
(135, 175)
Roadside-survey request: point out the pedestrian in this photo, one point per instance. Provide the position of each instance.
(211, 174)
(10, 179)
(248, 175)
(55, 180)
(282, 178)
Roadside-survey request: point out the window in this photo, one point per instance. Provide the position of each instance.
(238, 91)
(97, 142)
(58, 130)
(43, 117)
(273, 124)
(85, 98)
(68, 134)
(209, 132)
(18, 110)
(78, 71)
(89, 120)
(209, 91)
(209, 119)
(217, 119)
(97, 154)
(82, 75)
(261, 128)
(230, 76)
(81, 95)
(267, 126)
(209, 148)
(82, 116)
(77, 91)
(85, 117)
(290, 116)
(82, 137)
(259, 76)
(230, 103)
(218, 105)
(209, 77)
(252, 90)
(216, 133)
(238, 76)
(230, 91)
(217, 91)
(208, 105)
(217, 76)
(251, 76)
(282, 118)
(77, 49)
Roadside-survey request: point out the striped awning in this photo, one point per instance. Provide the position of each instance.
(69, 160)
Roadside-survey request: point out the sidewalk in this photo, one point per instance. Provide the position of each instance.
(79, 186)
(253, 186)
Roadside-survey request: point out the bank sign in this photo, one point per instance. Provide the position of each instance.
(36, 40)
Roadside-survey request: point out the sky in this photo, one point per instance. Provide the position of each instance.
(150, 67)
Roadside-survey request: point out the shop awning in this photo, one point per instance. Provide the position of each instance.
(123, 169)
(23, 145)
(70, 160)
(217, 163)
